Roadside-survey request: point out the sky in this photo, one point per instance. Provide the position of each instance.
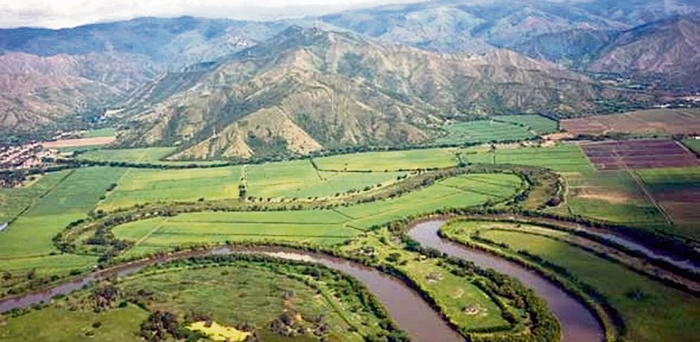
(71, 13)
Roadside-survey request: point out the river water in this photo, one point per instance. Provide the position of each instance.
(578, 324)
(406, 307)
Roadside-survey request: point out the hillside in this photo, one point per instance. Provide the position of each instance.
(307, 89)
(172, 43)
(668, 49)
(38, 91)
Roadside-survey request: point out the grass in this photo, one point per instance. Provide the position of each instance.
(391, 160)
(692, 144)
(652, 311)
(238, 292)
(99, 133)
(560, 158)
(299, 179)
(31, 234)
(312, 226)
(14, 200)
(132, 155)
(482, 132)
(612, 196)
(452, 293)
(62, 324)
(538, 123)
(151, 185)
(218, 332)
(249, 292)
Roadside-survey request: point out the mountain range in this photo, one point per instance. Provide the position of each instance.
(385, 75)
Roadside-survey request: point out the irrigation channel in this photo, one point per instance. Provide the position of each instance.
(406, 307)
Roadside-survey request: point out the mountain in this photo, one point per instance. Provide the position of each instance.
(308, 89)
(39, 91)
(476, 26)
(573, 48)
(172, 43)
(667, 49)
(48, 76)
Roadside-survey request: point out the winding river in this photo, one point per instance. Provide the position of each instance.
(578, 324)
(406, 307)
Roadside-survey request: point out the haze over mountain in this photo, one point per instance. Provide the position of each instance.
(153, 66)
(307, 89)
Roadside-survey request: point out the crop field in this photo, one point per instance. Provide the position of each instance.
(390, 161)
(14, 200)
(652, 311)
(693, 145)
(537, 123)
(638, 154)
(132, 155)
(313, 226)
(152, 185)
(613, 196)
(30, 235)
(78, 143)
(559, 158)
(677, 190)
(483, 131)
(299, 179)
(655, 121)
(99, 133)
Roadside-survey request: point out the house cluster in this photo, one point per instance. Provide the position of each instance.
(22, 157)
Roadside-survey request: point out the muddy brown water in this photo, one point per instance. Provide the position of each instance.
(406, 307)
(578, 324)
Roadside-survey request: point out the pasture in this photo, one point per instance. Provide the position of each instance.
(652, 311)
(390, 160)
(537, 123)
(299, 179)
(482, 131)
(31, 233)
(130, 155)
(187, 185)
(313, 226)
(559, 158)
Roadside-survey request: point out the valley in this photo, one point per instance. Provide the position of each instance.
(438, 170)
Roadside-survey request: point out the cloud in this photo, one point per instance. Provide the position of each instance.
(70, 13)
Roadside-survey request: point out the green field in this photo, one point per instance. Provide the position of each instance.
(299, 179)
(152, 185)
(559, 158)
(693, 144)
(99, 133)
(132, 155)
(652, 311)
(313, 226)
(452, 292)
(483, 132)
(14, 200)
(612, 196)
(231, 293)
(391, 161)
(539, 124)
(31, 234)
